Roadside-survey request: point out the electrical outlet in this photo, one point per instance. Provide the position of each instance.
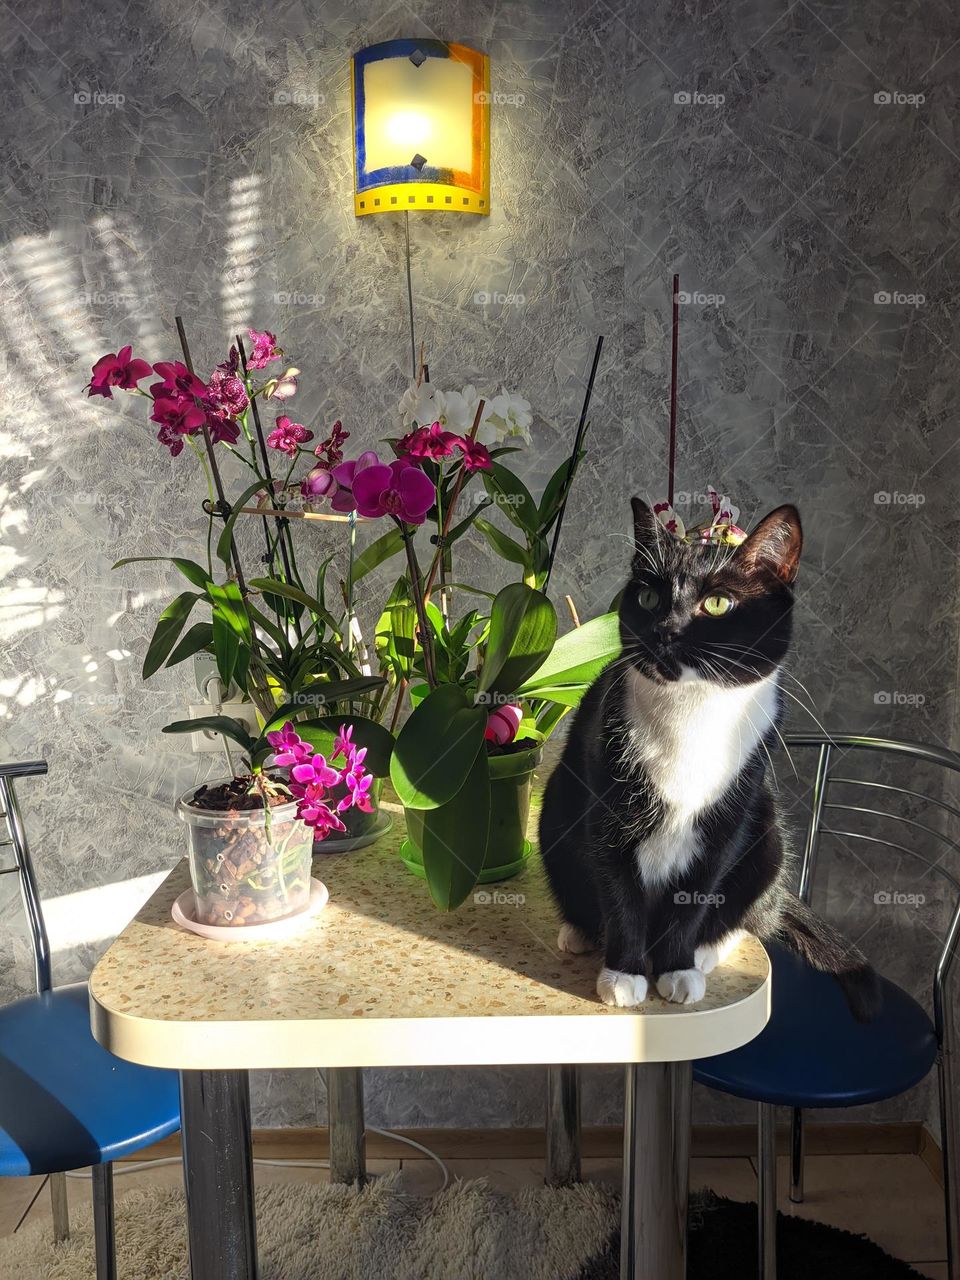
(205, 672)
(205, 740)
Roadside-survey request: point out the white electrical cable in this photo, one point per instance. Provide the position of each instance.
(218, 707)
(121, 1167)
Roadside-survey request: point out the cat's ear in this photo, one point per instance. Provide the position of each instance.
(646, 527)
(775, 543)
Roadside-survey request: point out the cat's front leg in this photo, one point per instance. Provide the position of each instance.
(623, 981)
(678, 978)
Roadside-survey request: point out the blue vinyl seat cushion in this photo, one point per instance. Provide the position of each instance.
(813, 1053)
(65, 1102)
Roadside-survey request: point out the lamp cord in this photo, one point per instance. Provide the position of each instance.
(413, 339)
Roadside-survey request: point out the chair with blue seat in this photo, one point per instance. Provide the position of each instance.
(65, 1102)
(812, 1052)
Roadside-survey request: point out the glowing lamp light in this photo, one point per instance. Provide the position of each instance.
(421, 128)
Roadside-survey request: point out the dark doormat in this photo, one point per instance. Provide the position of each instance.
(723, 1246)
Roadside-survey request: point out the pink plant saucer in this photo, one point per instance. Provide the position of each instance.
(273, 931)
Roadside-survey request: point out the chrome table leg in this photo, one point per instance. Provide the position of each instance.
(796, 1155)
(767, 1189)
(563, 1126)
(218, 1174)
(348, 1161)
(103, 1222)
(656, 1150)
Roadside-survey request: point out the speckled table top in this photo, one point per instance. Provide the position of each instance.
(381, 977)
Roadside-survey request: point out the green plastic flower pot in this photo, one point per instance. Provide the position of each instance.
(511, 781)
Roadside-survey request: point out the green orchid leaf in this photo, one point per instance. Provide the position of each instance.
(395, 631)
(579, 656)
(437, 747)
(382, 549)
(196, 640)
(454, 838)
(319, 694)
(377, 739)
(236, 730)
(512, 496)
(226, 647)
(273, 586)
(502, 544)
(192, 571)
(555, 491)
(169, 626)
(523, 630)
(229, 605)
(226, 535)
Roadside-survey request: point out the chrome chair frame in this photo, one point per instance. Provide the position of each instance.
(943, 1019)
(103, 1201)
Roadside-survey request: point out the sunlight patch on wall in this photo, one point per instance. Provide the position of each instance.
(241, 251)
(127, 284)
(93, 915)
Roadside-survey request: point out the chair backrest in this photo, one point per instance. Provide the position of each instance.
(22, 866)
(836, 793)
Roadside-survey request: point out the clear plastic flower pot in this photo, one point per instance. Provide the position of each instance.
(246, 870)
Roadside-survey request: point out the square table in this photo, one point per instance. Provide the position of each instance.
(380, 978)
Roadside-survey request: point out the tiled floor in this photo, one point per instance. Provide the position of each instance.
(891, 1198)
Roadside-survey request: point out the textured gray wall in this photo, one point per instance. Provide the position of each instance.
(787, 207)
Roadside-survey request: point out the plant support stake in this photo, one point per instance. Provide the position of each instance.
(674, 359)
(578, 442)
(222, 502)
(283, 528)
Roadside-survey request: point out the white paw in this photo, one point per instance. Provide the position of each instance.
(707, 958)
(574, 940)
(682, 986)
(625, 990)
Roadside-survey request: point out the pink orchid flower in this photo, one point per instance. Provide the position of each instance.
(288, 436)
(118, 370)
(315, 771)
(289, 746)
(264, 350)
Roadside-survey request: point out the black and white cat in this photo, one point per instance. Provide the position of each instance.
(659, 830)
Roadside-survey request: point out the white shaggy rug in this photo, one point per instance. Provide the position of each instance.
(314, 1232)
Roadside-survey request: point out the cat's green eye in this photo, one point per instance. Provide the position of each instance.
(717, 606)
(649, 599)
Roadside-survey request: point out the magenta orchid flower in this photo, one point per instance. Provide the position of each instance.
(429, 442)
(311, 778)
(315, 770)
(342, 743)
(345, 473)
(476, 457)
(117, 370)
(313, 810)
(288, 436)
(399, 489)
(264, 350)
(177, 418)
(177, 380)
(289, 746)
(358, 793)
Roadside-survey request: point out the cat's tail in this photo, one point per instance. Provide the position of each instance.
(802, 931)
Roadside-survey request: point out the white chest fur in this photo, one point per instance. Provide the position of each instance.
(692, 738)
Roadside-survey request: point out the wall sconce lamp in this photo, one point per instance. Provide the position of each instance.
(421, 134)
(421, 128)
